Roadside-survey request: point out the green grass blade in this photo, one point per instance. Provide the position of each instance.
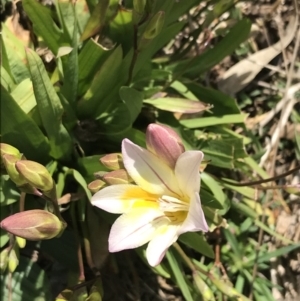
(177, 271)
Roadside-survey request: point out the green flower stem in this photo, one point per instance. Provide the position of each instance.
(188, 261)
(87, 248)
(77, 238)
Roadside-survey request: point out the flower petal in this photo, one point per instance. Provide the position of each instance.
(135, 228)
(122, 197)
(147, 170)
(164, 237)
(195, 220)
(164, 142)
(187, 171)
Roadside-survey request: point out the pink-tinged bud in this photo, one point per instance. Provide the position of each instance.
(36, 174)
(96, 185)
(164, 142)
(33, 224)
(10, 166)
(120, 176)
(113, 161)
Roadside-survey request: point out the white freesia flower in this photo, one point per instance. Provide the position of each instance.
(163, 203)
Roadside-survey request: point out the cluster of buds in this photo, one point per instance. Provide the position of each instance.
(30, 177)
(116, 175)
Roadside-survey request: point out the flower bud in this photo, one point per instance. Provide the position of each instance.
(35, 174)
(10, 165)
(6, 149)
(164, 142)
(21, 242)
(203, 288)
(113, 161)
(13, 259)
(138, 10)
(154, 26)
(65, 295)
(4, 259)
(33, 224)
(120, 176)
(96, 291)
(96, 185)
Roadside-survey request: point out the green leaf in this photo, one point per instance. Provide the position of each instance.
(219, 153)
(116, 121)
(121, 29)
(177, 271)
(197, 242)
(90, 165)
(82, 13)
(133, 100)
(8, 193)
(174, 104)
(14, 55)
(276, 253)
(246, 191)
(209, 200)
(49, 107)
(6, 80)
(24, 96)
(200, 64)
(70, 119)
(28, 283)
(212, 121)
(67, 18)
(212, 217)
(70, 67)
(222, 103)
(224, 152)
(96, 20)
(90, 59)
(214, 187)
(82, 182)
(43, 24)
(233, 243)
(20, 130)
(95, 100)
(183, 90)
(160, 269)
